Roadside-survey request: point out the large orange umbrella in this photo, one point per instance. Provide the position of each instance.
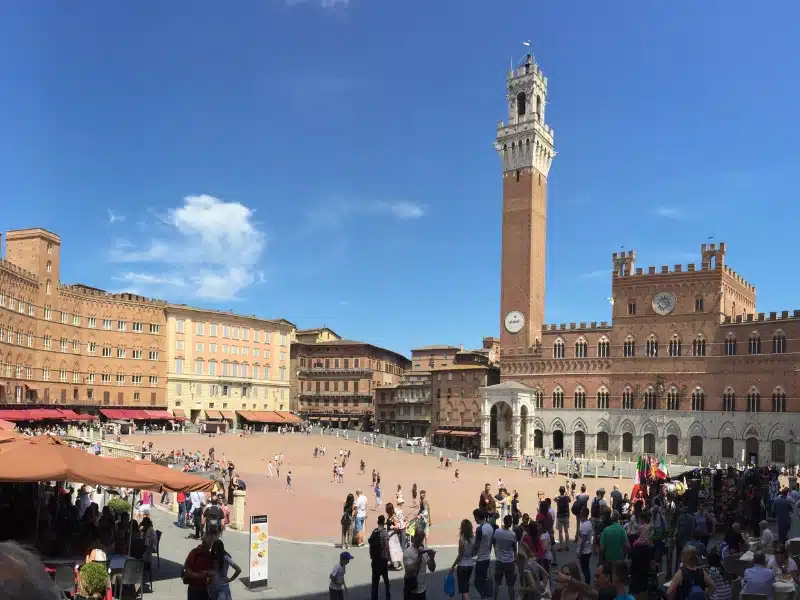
(48, 459)
(6, 425)
(170, 479)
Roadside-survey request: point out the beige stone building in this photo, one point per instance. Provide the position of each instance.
(75, 346)
(228, 367)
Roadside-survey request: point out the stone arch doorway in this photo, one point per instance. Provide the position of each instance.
(579, 443)
(751, 450)
(523, 429)
(558, 440)
(538, 439)
(500, 426)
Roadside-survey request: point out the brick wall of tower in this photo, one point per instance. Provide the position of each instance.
(524, 247)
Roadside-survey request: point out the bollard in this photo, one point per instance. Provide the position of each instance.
(597, 472)
(457, 457)
(412, 449)
(487, 461)
(520, 464)
(504, 463)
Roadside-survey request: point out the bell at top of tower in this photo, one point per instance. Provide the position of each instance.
(526, 141)
(527, 90)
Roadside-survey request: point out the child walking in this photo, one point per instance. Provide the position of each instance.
(337, 586)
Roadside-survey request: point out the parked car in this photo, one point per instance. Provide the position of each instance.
(415, 441)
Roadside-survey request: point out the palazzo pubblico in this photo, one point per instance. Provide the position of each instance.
(686, 369)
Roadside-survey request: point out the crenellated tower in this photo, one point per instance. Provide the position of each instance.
(525, 146)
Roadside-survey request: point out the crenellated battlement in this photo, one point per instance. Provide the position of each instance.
(83, 290)
(763, 317)
(738, 278)
(12, 268)
(592, 326)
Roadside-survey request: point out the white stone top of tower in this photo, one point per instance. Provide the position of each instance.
(526, 141)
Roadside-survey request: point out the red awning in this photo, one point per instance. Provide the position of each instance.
(157, 415)
(228, 415)
(46, 413)
(441, 432)
(213, 415)
(262, 416)
(290, 418)
(83, 417)
(15, 415)
(115, 414)
(178, 413)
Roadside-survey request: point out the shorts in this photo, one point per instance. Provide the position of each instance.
(358, 527)
(462, 579)
(144, 509)
(507, 569)
(563, 523)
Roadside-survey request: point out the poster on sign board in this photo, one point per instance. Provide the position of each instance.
(259, 551)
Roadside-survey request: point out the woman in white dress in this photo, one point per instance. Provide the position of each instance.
(395, 549)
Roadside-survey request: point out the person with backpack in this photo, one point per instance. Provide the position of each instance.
(596, 510)
(379, 557)
(691, 582)
(213, 518)
(581, 500)
(562, 518)
(198, 570)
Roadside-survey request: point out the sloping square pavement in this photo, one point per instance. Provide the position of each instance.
(296, 569)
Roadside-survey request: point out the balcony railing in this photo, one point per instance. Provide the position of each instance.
(336, 394)
(334, 371)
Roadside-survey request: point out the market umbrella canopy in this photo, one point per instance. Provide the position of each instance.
(170, 479)
(6, 426)
(47, 458)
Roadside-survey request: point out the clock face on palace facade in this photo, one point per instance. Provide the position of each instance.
(664, 303)
(514, 321)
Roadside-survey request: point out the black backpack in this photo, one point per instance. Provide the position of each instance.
(242, 485)
(375, 545)
(595, 509)
(213, 519)
(562, 506)
(578, 505)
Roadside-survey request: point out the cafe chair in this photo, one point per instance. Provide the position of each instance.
(132, 574)
(64, 579)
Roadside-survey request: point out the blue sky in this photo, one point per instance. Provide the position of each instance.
(331, 162)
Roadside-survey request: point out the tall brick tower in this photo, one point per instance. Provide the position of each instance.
(525, 145)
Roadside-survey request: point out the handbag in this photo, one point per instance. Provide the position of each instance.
(450, 585)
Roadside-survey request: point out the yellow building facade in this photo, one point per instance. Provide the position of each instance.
(221, 363)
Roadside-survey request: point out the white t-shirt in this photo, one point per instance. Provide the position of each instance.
(585, 533)
(410, 556)
(337, 583)
(791, 566)
(545, 539)
(361, 507)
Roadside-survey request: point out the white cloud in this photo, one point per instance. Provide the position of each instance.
(668, 212)
(206, 248)
(327, 4)
(596, 274)
(114, 217)
(334, 214)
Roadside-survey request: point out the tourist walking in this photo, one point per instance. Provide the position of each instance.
(337, 587)
(484, 534)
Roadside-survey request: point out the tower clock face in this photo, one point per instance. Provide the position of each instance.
(664, 303)
(514, 321)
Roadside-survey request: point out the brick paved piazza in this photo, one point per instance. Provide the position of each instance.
(312, 511)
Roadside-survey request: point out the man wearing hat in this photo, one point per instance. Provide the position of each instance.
(337, 586)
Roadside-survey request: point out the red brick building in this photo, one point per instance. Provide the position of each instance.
(686, 367)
